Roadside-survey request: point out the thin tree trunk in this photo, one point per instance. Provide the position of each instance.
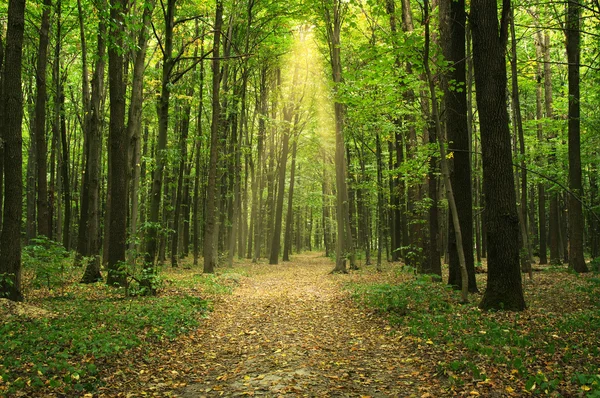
(344, 235)
(43, 220)
(134, 124)
(287, 243)
(541, 189)
(576, 221)
(210, 227)
(526, 252)
(88, 240)
(444, 164)
(161, 146)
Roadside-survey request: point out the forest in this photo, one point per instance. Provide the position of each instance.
(170, 163)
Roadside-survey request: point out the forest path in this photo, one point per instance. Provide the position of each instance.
(292, 330)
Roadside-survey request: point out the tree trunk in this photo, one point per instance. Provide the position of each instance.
(444, 164)
(344, 235)
(197, 166)
(162, 110)
(526, 252)
(134, 124)
(541, 189)
(43, 220)
(118, 148)
(379, 211)
(576, 221)
(287, 243)
(210, 227)
(259, 171)
(89, 240)
(504, 288)
(289, 112)
(11, 115)
(179, 200)
(455, 97)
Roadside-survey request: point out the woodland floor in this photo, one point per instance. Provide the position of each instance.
(291, 329)
(294, 330)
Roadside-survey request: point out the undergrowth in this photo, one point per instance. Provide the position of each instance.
(62, 352)
(550, 348)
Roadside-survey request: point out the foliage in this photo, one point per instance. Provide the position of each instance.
(540, 350)
(48, 262)
(65, 353)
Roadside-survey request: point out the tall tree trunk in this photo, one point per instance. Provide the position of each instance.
(541, 188)
(526, 252)
(82, 241)
(179, 200)
(43, 220)
(333, 19)
(379, 211)
(576, 221)
(210, 227)
(89, 239)
(64, 146)
(259, 172)
(453, 35)
(197, 165)
(504, 288)
(11, 115)
(287, 243)
(162, 110)
(1, 147)
(30, 187)
(134, 123)
(289, 112)
(118, 148)
(444, 164)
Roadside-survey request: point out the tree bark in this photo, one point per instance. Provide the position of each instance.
(118, 148)
(89, 240)
(162, 110)
(43, 221)
(134, 123)
(504, 288)
(576, 221)
(210, 227)
(526, 252)
(455, 97)
(541, 188)
(344, 235)
(287, 242)
(11, 115)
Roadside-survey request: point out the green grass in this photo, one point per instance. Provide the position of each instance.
(536, 345)
(61, 353)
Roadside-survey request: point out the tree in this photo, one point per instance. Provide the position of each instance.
(453, 22)
(89, 223)
(576, 222)
(11, 115)
(333, 19)
(210, 249)
(118, 144)
(457, 228)
(504, 287)
(43, 221)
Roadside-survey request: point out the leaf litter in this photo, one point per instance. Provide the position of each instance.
(294, 329)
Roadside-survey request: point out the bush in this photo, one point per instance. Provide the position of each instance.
(48, 261)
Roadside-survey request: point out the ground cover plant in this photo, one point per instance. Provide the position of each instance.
(296, 329)
(551, 348)
(70, 334)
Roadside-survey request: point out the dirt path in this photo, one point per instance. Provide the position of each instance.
(291, 330)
